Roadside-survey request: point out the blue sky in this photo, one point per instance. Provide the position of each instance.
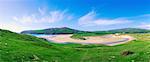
(89, 15)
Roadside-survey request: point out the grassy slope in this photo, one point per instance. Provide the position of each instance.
(129, 30)
(16, 48)
(63, 30)
(82, 35)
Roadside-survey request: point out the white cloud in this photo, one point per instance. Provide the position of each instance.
(42, 11)
(57, 16)
(39, 20)
(11, 26)
(144, 21)
(111, 22)
(91, 20)
(41, 17)
(144, 26)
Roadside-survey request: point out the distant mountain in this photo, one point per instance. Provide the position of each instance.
(63, 30)
(66, 30)
(129, 30)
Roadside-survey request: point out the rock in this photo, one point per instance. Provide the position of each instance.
(6, 44)
(112, 56)
(125, 53)
(6, 52)
(82, 38)
(34, 57)
(132, 61)
(147, 52)
(44, 39)
(79, 49)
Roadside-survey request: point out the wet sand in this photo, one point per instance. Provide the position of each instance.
(109, 40)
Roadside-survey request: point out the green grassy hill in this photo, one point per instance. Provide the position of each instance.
(130, 30)
(24, 48)
(63, 30)
(66, 30)
(83, 34)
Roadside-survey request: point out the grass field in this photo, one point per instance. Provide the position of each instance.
(23, 48)
(82, 35)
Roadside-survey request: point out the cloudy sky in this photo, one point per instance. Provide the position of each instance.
(89, 15)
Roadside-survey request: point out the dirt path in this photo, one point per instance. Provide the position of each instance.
(109, 40)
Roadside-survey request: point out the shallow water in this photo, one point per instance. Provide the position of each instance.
(41, 35)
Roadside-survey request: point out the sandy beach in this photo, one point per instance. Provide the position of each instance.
(109, 40)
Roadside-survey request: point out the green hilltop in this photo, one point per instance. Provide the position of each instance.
(130, 30)
(66, 30)
(63, 30)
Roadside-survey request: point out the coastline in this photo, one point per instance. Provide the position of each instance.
(111, 40)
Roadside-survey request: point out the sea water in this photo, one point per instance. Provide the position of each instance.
(42, 35)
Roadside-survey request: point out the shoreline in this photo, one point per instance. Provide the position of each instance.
(109, 40)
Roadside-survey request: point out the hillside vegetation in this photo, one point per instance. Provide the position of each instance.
(63, 30)
(83, 34)
(66, 30)
(129, 30)
(99, 33)
(24, 48)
